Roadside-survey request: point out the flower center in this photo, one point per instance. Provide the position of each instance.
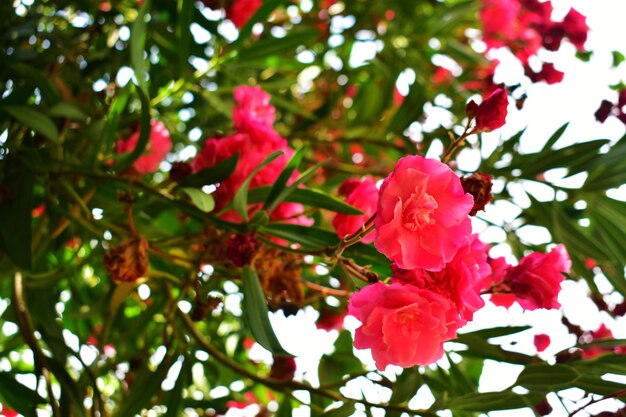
(417, 210)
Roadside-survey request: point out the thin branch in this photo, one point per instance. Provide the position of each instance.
(606, 397)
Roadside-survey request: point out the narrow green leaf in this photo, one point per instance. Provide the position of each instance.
(294, 186)
(543, 376)
(67, 110)
(212, 175)
(309, 237)
(185, 16)
(138, 46)
(200, 199)
(117, 107)
(240, 201)
(49, 91)
(492, 401)
(282, 179)
(555, 136)
(15, 218)
(307, 196)
(411, 109)
(35, 120)
(256, 313)
(70, 387)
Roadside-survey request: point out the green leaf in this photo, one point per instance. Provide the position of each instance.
(67, 110)
(211, 175)
(256, 313)
(200, 199)
(307, 196)
(146, 385)
(35, 120)
(492, 401)
(618, 58)
(294, 186)
(70, 387)
(281, 181)
(555, 137)
(240, 201)
(138, 46)
(497, 331)
(15, 217)
(18, 396)
(406, 386)
(541, 376)
(309, 237)
(117, 107)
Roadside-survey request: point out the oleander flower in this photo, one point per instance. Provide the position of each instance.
(491, 113)
(242, 10)
(402, 325)
(363, 196)
(159, 144)
(536, 281)
(461, 281)
(422, 218)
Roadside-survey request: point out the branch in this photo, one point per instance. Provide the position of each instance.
(606, 397)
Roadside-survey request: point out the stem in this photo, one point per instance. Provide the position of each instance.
(606, 397)
(355, 237)
(460, 141)
(359, 272)
(25, 324)
(327, 291)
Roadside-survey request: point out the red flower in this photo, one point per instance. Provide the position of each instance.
(283, 368)
(159, 144)
(575, 27)
(402, 325)
(491, 113)
(548, 73)
(422, 216)
(542, 341)
(330, 321)
(536, 281)
(364, 197)
(242, 10)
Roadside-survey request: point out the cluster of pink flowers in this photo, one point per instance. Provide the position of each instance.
(440, 269)
(253, 140)
(524, 26)
(159, 144)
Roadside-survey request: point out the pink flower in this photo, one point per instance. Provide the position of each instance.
(422, 217)
(403, 325)
(461, 281)
(498, 20)
(541, 341)
(602, 333)
(242, 10)
(253, 107)
(536, 281)
(364, 197)
(491, 113)
(159, 144)
(330, 321)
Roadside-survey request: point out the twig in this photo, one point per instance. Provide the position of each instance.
(26, 329)
(326, 290)
(606, 397)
